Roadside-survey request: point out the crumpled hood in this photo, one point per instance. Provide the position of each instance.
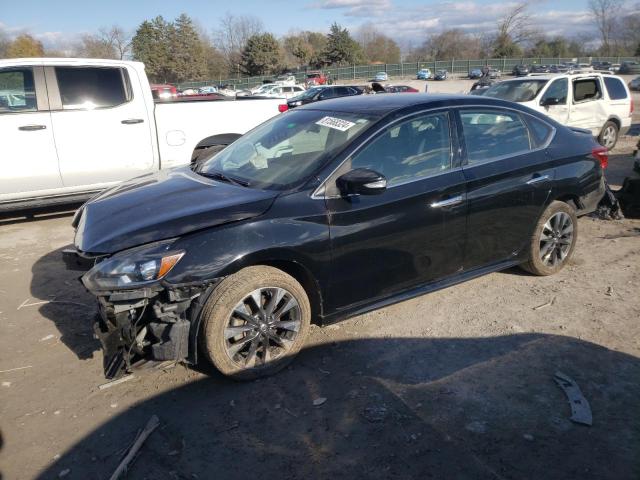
(163, 205)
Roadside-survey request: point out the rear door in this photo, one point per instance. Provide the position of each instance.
(28, 159)
(413, 232)
(508, 181)
(102, 129)
(619, 99)
(589, 107)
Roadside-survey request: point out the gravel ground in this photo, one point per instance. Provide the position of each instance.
(454, 384)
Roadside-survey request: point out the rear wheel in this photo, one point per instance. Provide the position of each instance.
(255, 322)
(553, 240)
(609, 135)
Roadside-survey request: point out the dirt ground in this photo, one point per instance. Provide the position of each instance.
(454, 384)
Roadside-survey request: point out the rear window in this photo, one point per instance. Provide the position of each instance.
(615, 88)
(17, 91)
(91, 87)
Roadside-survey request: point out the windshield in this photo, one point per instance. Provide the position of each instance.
(516, 91)
(285, 150)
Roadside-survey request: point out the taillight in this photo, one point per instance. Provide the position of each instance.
(602, 155)
(283, 107)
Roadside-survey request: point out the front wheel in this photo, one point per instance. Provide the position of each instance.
(255, 322)
(609, 135)
(553, 240)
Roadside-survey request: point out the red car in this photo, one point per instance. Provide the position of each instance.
(164, 92)
(315, 78)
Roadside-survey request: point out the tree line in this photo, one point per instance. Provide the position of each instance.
(180, 50)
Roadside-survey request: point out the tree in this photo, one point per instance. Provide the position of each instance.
(604, 17)
(111, 42)
(150, 45)
(187, 51)
(261, 55)
(232, 37)
(24, 46)
(4, 43)
(341, 49)
(376, 46)
(514, 29)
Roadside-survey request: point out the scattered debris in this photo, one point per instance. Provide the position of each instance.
(324, 371)
(609, 207)
(580, 409)
(609, 291)
(545, 305)
(232, 403)
(114, 405)
(528, 436)
(319, 401)
(152, 424)
(291, 413)
(375, 414)
(57, 412)
(14, 369)
(64, 473)
(48, 337)
(173, 453)
(53, 300)
(277, 406)
(115, 382)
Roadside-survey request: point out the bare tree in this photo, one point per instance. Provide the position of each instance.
(111, 42)
(232, 35)
(605, 18)
(516, 24)
(119, 39)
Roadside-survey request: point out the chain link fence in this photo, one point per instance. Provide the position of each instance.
(457, 68)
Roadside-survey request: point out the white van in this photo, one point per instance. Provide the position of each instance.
(597, 102)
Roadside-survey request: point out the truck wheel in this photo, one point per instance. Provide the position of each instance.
(609, 135)
(255, 322)
(553, 240)
(205, 154)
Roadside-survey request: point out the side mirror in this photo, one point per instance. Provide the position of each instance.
(361, 181)
(549, 101)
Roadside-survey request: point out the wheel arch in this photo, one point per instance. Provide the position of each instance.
(220, 139)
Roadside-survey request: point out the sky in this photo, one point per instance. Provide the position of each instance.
(55, 22)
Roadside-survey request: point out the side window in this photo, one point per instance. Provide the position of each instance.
(615, 88)
(87, 88)
(558, 90)
(410, 150)
(490, 134)
(328, 93)
(586, 90)
(540, 131)
(17, 91)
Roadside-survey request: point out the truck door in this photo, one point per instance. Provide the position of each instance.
(588, 108)
(101, 124)
(27, 150)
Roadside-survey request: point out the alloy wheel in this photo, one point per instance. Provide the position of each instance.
(609, 136)
(262, 327)
(556, 239)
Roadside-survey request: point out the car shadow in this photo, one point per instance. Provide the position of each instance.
(34, 214)
(464, 408)
(68, 305)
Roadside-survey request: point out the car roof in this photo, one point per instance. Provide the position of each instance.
(68, 61)
(384, 104)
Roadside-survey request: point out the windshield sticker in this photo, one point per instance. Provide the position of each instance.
(335, 123)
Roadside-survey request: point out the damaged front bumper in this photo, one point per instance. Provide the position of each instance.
(152, 324)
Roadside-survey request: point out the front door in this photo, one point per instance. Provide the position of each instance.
(103, 131)
(28, 159)
(410, 234)
(558, 93)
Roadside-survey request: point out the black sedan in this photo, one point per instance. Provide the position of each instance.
(327, 211)
(316, 94)
(520, 70)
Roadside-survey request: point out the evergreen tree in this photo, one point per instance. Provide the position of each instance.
(151, 45)
(187, 51)
(341, 49)
(261, 55)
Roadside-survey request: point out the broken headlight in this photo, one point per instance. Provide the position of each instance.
(133, 268)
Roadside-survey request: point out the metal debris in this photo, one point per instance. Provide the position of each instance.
(14, 369)
(115, 382)
(319, 401)
(544, 305)
(580, 409)
(152, 424)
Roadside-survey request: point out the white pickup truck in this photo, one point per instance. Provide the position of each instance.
(72, 127)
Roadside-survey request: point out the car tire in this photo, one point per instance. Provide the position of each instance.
(553, 240)
(609, 135)
(232, 308)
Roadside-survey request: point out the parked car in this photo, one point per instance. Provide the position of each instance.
(475, 73)
(327, 211)
(286, 79)
(601, 66)
(520, 71)
(381, 77)
(540, 69)
(281, 91)
(316, 78)
(635, 84)
(423, 74)
(164, 91)
(495, 73)
(560, 68)
(208, 89)
(256, 90)
(94, 123)
(324, 92)
(441, 75)
(629, 68)
(400, 89)
(600, 103)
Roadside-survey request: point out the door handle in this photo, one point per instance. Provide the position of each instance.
(448, 202)
(538, 179)
(132, 121)
(32, 128)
